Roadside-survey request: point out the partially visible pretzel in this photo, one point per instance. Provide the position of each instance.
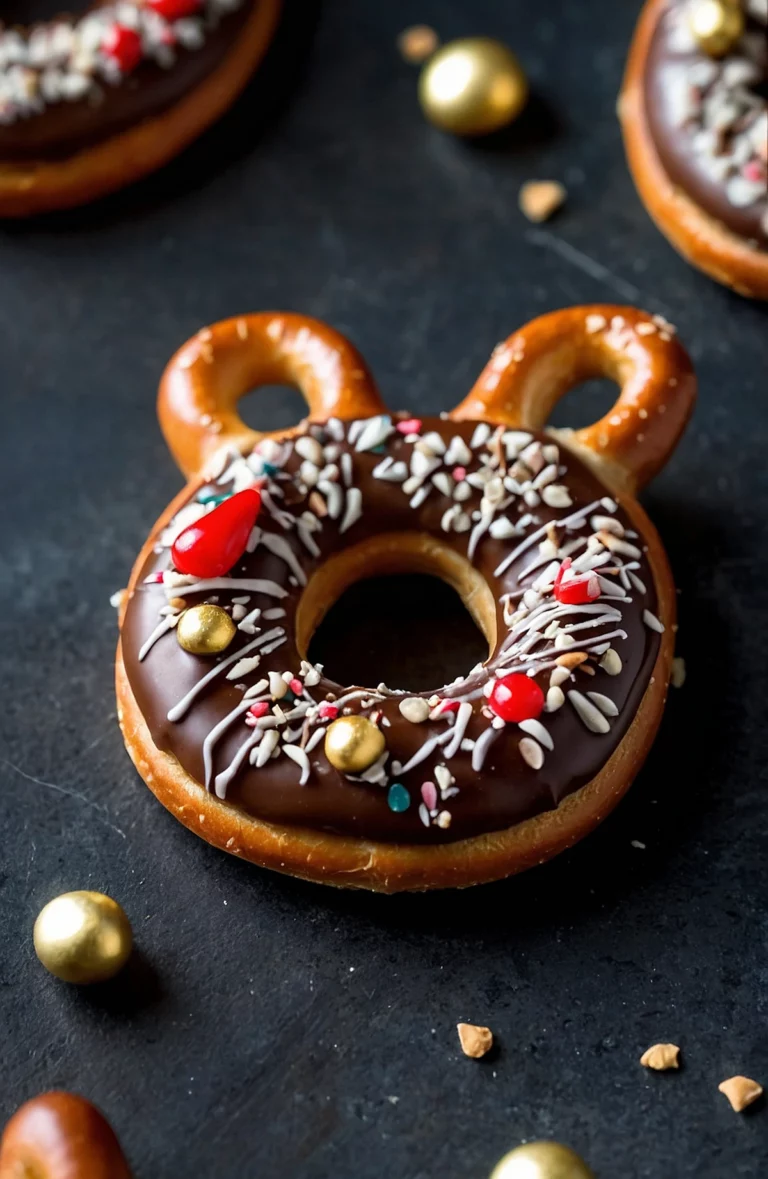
(60, 1136)
(701, 238)
(200, 388)
(529, 373)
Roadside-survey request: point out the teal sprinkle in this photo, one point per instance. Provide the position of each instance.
(269, 468)
(378, 449)
(398, 798)
(289, 697)
(207, 498)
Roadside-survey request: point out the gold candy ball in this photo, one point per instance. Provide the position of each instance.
(205, 630)
(542, 1160)
(716, 25)
(353, 743)
(472, 86)
(83, 937)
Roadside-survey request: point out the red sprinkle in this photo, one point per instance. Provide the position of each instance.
(516, 698)
(411, 426)
(753, 170)
(459, 473)
(296, 686)
(175, 9)
(578, 590)
(123, 45)
(447, 706)
(154, 579)
(261, 708)
(328, 711)
(216, 542)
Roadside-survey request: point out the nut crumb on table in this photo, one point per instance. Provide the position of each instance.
(661, 1057)
(741, 1092)
(475, 1041)
(539, 199)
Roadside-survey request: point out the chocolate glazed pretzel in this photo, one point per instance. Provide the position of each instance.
(91, 103)
(537, 530)
(60, 1136)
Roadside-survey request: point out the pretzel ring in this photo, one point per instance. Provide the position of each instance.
(91, 103)
(264, 755)
(695, 135)
(60, 1136)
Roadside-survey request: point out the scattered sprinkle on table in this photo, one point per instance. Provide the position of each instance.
(661, 1057)
(475, 1041)
(539, 199)
(678, 672)
(417, 43)
(741, 1092)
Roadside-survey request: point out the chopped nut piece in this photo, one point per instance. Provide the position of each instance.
(539, 199)
(475, 1041)
(741, 1092)
(678, 672)
(417, 43)
(571, 659)
(415, 709)
(661, 1057)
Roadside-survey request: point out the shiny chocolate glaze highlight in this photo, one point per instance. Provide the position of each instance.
(504, 793)
(63, 129)
(673, 142)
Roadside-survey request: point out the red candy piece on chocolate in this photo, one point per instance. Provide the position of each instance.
(516, 698)
(410, 426)
(123, 45)
(214, 543)
(175, 9)
(579, 590)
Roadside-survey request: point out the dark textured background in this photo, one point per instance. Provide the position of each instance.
(268, 1028)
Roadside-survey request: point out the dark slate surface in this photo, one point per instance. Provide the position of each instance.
(268, 1028)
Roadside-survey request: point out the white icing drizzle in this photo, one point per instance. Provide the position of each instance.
(161, 629)
(256, 585)
(178, 710)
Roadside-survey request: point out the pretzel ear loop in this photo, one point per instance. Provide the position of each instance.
(200, 388)
(529, 373)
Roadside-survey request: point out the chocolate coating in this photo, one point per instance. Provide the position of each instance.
(675, 141)
(62, 129)
(506, 790)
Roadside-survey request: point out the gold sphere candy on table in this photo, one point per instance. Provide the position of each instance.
(472, 86)
(717, 25)
(83, 937)
(205, 630)
(353, 744)
(542, 1160)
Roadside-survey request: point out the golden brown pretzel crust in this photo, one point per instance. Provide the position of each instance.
(60, 1136)
(32, 187)
(658, 372)
(703, 241)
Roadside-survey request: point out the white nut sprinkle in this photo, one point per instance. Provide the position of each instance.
(653, 623)
(536, 729)
(310, 449)
(604, 703)
(556, 496)
(502, 528)
(558, 676)
(415, 709)
(611, 662)
(277, 685)
(555, 697)
(588, 714)
(596, 323)
(531, 753)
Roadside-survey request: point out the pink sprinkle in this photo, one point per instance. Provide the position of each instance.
(296, 686)
(411, 426)
(753, 170)
(448, 706)
(429, 794)
(261, 708)
(328, 711)
(459, 473)
(154, 579)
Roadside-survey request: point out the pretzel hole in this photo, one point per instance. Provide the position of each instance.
(401, 609)
(585, 403)
(272, 407)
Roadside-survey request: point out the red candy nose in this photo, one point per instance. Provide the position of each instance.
(175, 9)
(214, 543)
(516, 698)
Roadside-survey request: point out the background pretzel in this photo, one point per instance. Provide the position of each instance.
(60, 1136)
(531, 370)
(206, 378)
